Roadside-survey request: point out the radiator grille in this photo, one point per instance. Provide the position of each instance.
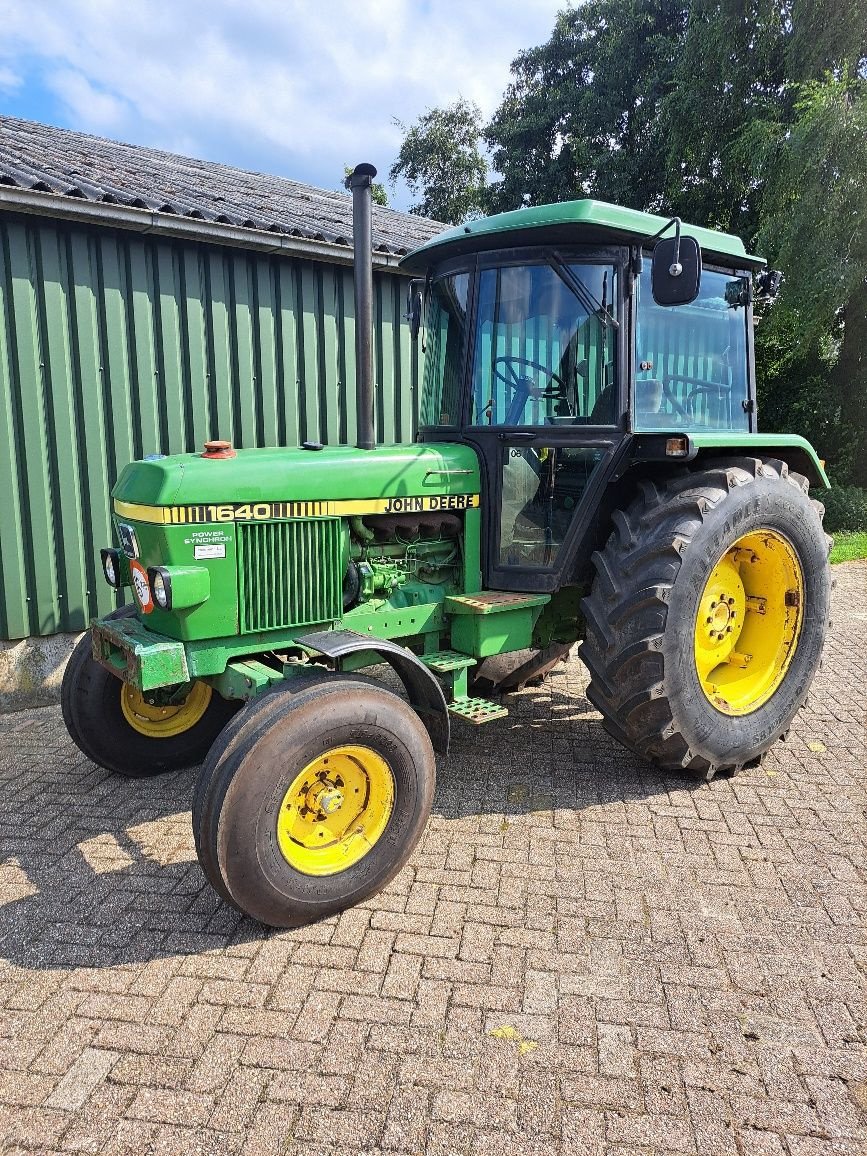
(289, 573)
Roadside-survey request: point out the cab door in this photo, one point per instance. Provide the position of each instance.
(545, 410)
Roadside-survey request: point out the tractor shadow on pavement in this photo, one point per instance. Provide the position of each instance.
(97, 871)
(551, 755)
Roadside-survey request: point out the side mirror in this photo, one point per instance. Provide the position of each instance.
(675, 273)
(768, 284)
(415, 306)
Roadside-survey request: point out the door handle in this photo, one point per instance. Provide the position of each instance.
(520, 436)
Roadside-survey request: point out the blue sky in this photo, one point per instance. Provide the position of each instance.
(288, 87)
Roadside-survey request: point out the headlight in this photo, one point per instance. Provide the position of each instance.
(179, 587)
(111, 567)
(161, 587)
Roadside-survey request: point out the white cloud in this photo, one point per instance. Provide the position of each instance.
(9, 80)
(297, 87)
(86, 104)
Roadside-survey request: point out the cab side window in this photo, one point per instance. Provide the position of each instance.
(691, 360)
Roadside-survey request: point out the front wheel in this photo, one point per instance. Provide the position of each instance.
(708, 614)
(316, 800)
(113, 724)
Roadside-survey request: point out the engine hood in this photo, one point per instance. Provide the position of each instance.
(334, 473)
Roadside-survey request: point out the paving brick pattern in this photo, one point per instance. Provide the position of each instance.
(583, 956)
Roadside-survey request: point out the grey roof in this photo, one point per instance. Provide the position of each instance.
(61, 162)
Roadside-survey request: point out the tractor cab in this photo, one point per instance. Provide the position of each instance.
(562, 345)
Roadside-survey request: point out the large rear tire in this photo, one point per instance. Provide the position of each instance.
(708, 613)
(111, 723)
(316, 800)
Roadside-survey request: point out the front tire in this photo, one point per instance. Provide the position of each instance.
(110, 722)
(316, 801)
(707, 615)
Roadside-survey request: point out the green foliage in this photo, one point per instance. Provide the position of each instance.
(814, 225)
(797, 389)
(731, 71)
(582, 114)
(441, 161)
(849, 548)
(845, 509)
(377, 191)
(814, 207)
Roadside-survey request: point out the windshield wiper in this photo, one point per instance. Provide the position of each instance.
(593, 307)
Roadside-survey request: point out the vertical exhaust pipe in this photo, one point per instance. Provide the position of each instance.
(359, 182)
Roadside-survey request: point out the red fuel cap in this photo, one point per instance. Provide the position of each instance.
(219, 450)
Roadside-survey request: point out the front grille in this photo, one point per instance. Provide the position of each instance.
(289, 573)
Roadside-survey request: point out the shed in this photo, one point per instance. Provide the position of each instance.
(152, 301)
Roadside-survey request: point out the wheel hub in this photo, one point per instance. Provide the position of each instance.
(335, 810)
(156, 721)
(748, 622)
(325, 797)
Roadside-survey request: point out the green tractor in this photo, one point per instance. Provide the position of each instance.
(588, 467)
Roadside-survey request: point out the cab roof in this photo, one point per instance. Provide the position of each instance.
(570, 222)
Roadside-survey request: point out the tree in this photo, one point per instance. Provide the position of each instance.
(441, 161)
(581, 116)
(740, 67)
(814, 225)
(377, 191)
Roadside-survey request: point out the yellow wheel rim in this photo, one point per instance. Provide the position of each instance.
(335, 810)
(162, 722)
(748, 622)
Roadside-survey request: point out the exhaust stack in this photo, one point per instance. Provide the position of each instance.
(359, 182)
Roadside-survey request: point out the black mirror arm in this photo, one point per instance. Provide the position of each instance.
(675, 268)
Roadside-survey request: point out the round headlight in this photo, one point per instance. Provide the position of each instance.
(160, 590)
(111, 567)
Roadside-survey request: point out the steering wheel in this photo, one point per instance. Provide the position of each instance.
(517, 380)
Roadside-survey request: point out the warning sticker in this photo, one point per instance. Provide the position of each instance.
(141, 586)
(210, 550)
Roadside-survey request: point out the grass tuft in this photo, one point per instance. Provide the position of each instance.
(849, 547)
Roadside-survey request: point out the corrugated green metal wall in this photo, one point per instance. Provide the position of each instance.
(114, 346)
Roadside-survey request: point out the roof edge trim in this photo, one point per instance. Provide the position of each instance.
(185, 228)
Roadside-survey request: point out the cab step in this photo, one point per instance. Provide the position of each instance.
(493, 602)
(445, 661)
(477, 710)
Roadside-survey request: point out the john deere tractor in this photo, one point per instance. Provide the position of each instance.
(588, 467)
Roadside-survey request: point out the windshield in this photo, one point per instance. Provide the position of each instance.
(545, 346)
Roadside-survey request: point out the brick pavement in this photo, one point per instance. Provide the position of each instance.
(582, 957)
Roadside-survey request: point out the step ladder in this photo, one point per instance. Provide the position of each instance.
(451, 668)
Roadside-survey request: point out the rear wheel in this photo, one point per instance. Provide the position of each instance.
(708, 614)
(113, 724)
(316, 801)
